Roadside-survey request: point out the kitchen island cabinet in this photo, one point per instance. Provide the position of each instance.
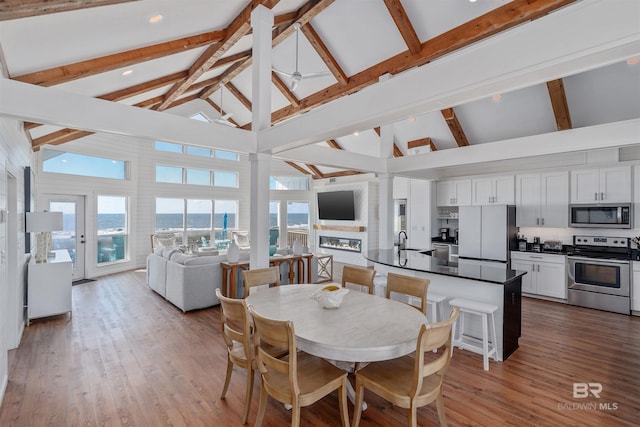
(486, 282)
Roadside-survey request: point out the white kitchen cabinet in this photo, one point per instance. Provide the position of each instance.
(636, 197)
(400, 187)
(542, 200)
(420, 211)
(453, 192)
(497, 190)
(605, 185)
(546, 273)
(49, 286)
(635, 288)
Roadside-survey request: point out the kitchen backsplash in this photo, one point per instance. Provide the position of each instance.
(565, 235)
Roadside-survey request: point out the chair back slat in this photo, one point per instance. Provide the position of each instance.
(258, 277)
(407, 285)
(358, 276)
(235, 323)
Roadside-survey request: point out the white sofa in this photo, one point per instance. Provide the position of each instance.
(187, 281)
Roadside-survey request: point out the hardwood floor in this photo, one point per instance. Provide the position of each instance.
(127, 357)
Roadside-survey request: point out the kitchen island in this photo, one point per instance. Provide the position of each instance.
(487, 282)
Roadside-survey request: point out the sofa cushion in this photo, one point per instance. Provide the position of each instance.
(179, 257)
(202, 260)
(167, 252)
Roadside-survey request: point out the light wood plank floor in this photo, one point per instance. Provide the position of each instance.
(127, 357)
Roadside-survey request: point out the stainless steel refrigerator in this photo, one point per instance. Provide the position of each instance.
(487, 232)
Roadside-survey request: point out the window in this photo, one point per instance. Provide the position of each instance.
(198, 151)
(79, 164)
(200, 117)
(112, 229)
(168, 146)
(225, 179)
(199, 221)
(297, 222)
(274, 223)
(170, 216)
(169, 174)
(198, 177)
(225, 219)
(226, 155)
(289, 183)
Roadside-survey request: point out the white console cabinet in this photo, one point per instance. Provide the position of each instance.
(49, 286)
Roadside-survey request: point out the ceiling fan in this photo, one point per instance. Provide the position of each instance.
(224, 118)
(296, 77)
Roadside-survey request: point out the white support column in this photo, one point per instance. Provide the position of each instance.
(385, 189)
(259, 217)
(262, 23)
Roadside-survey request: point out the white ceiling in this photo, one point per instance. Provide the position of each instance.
(358, 33)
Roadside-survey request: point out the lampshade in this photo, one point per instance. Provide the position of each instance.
(44, 221)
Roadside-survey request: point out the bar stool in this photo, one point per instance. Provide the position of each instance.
(434, 302)
(484, 311)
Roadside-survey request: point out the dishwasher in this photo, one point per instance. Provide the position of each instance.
(440, 251)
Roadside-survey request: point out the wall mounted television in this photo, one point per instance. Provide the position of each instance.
(336, 205)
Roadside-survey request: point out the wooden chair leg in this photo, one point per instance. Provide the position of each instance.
(249, 392)
(295, 415)
(262, 405)
(228, 378)
(440, 406)
(357, 405)
(344, 410)
(412, 413)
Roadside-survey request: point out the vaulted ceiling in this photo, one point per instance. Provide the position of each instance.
(163, 53)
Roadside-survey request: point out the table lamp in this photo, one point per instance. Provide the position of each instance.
(42, 224)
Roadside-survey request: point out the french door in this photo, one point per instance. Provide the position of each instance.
(72, 237)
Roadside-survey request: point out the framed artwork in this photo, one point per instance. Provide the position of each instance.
(29, 204)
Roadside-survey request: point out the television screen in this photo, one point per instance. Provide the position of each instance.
(336, 205)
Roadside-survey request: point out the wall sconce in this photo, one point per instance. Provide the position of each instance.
(42, 224)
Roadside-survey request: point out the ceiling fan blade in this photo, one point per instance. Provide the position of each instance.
(294, 84)
(316, 75)
(282, 73)
(226, 116)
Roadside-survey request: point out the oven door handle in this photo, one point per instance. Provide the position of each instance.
(598, 260)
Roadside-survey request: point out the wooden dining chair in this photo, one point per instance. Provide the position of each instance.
(298, 380)
(411, 286)
(411, 381)
(260, 276)
(358, 276)
(236, 331)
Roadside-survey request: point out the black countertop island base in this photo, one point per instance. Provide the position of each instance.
(488, 282)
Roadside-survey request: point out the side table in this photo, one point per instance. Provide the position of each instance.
(325, 267)
(49, 286)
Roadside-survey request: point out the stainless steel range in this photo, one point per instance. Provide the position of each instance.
(598, 273)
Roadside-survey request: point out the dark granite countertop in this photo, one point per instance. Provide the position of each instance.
(418, 260)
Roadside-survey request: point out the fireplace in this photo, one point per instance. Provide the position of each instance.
(341, 244)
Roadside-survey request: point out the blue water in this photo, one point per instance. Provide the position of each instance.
(173, 221)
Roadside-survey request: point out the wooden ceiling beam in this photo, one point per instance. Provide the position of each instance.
(559, 103)
(66, 73)
(298, 168)
(238, 28)
(239, 96)
(342, 173)
(324, 53)
(455, 127)
(15, 9)
(316, 172)
(404, 25)
(508, 16)
(284, 89)
(334, 144)
(397, 152)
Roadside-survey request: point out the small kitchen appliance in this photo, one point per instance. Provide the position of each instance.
(537, 247)
(444, 234)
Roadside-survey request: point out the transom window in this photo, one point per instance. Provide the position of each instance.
(79, 164)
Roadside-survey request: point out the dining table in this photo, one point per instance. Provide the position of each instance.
(364, 328)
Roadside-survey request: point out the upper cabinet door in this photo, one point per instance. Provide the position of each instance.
(504, 190)
(528, 200)
(615, 185)
(453, 193)
(585, 186)
(554, 199)
(463, 192)
(493, 191)
(483, 191)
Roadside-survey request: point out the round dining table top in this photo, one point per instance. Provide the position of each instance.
(365, 328)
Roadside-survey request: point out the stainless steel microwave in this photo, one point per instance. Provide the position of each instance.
(605, 215)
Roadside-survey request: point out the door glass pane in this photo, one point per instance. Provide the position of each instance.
(274, 228)
(112, 228)
(298, 222)
(65, 239)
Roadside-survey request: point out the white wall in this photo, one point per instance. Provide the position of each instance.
(15, 154)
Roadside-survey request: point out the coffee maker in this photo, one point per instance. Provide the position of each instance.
(444, 234)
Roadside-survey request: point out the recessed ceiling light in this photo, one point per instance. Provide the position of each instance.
(472, 1)
(356, 133)
(412, 119)
(154, 19)
(634, 60)
(127, 73)
(497, 97)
